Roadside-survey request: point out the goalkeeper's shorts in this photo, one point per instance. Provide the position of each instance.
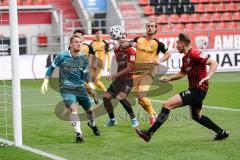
(81, 98)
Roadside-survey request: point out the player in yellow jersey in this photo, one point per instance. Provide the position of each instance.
(88, 50)
(148, 49)
(101, 49)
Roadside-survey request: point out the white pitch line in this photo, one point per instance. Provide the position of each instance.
(34, 150)
(42, 153)
(211, 107)
(154, 100)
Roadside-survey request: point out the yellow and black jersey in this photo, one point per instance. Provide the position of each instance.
(87, 49)
(101, 48)
(146, 52)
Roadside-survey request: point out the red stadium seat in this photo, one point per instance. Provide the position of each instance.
(174, 18)
(200, 27)
(160, 28)
(40, 2)
(226, 1)
(195, 18)
(19, 2)
(189, 27)
(200, 8)
(28, 2)
(216, 1)
(205, 17)
(211, 26)
(221, 7)
(222, 26)
(227, 16)
(205, 1)
(42, 40)
(211, 8)
(195, 1)
(179, 27)
(163, 19)
(143, 2)
(4, 3)
(232, 7)
(168, 28)
(232, 25)
(236, 16)
(152, 18)
(184, 18)
(148, 10)
(216, 17)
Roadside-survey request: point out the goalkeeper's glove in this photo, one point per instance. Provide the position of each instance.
(44, 86)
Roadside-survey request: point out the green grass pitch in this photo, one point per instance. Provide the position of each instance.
(180, 138)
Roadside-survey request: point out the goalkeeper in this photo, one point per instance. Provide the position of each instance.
(73, 71)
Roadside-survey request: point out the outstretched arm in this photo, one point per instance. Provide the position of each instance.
(213, 67)
(165, 57)
(44, 86)
(176, 76)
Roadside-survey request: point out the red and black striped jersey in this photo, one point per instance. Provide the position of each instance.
(123, 58)
(193, 64)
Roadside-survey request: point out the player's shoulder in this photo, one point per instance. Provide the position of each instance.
(64, 54)
(92, 42)
(194, 52)
(86, 45)
(136, 39)
(131, 51)
(116, 50)
(158, 42)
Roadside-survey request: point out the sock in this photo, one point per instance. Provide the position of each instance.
(101, 85)
(109, 108)
(127, 106)
(206, 122)
(162, 117)
(75, 122)
(147, 106)
(91, 118)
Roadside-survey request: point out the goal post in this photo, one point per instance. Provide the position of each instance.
(16, 90)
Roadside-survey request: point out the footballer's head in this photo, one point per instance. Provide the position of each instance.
(98, 34)
(183, 41)
(151, 27)
(78, 32)
(75, 43)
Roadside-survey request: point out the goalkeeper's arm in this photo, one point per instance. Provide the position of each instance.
(44, 86)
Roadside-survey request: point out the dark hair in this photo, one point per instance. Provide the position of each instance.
(78, 31)
(72, 37)
(184, 38)
(96, 30)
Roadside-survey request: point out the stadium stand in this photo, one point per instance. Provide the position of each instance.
(203, 14)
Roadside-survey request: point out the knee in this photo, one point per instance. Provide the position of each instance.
(195, 117)
(121, 96)
(167, 105)
(89, 111)
(106, 98)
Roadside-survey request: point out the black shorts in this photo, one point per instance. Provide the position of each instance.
(120, 85)
(193, 97)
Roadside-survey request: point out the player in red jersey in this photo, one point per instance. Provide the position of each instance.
(122, 82)
(194, 66)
